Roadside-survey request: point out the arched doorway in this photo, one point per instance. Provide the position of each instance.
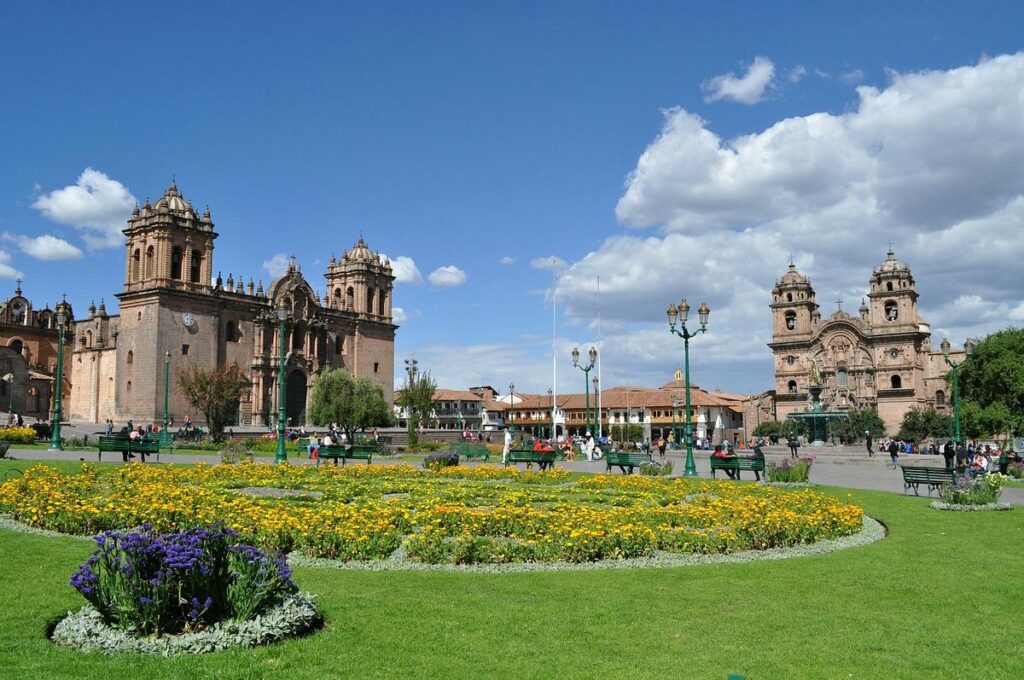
(295, 398)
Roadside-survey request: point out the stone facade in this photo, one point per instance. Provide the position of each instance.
(174, 313)
(882, 358)
(29, 337)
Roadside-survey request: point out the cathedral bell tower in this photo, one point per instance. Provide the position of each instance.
(361, 283)
(794, 309)
(893, 295)
(169, 246)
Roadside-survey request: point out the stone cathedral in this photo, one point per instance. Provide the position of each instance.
(882, 358)
(173, 310)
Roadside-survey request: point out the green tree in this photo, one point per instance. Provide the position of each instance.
(630, 432)
(215, 393)
(924, 423)
(992, 379)
(355, 404)
(417, 398)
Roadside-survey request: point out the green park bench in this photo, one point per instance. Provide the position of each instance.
(934, 477)
(736, 464)
(625, 459)
(345, 453)
(471, 450)
(544, 459)
(142, 445)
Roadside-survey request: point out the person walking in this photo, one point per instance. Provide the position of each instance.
(588, 447)
(949, 453)
(894, 453)
(867, 442)
(793, 444)
(506, 447)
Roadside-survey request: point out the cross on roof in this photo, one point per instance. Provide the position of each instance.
(839, 302)
(19, 286)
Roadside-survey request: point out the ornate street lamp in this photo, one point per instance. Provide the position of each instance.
(282, 316)
(511, 407)
(586, 380)
(597, 416)
(968, 349)
(165, 436)
(63, 315)
(9, 379)
(679, 314)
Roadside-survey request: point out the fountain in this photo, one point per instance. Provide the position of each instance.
(816, 417)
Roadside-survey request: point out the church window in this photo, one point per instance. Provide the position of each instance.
(350, 299)
(790, 321)
(230, 333)
(130, 359)
(339, 344)
(184, 350)
(891, 310)
(841, 379)
(17, 313)
(128, 387)
(135, 265)
(176, 263)
(337, 296)
(888, 285)
(789, 297)
(895, 382)
(940, 398)
(380, 303)
(790, 360)
(149, 262)
(376, 366)
(88, 338)
(791, 387)
(196, 266)
(16, 346)
(369, 300)
(298, 336)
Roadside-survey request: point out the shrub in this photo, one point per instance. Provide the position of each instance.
(436, 461)
(788, 470)
(235, 451)
(150, 584)
(43, 430)
(1016, 470)
(18, 435)
(980, 490)
(655, 469)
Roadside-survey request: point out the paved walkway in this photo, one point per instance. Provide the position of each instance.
(875, 474)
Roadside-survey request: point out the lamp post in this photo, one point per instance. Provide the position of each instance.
(62, 322)
(282, 316)
(586, 380)
(551, 400)
(9, 379)
(166, 434)
(968, 348)
(676, 403)
(597, 416)
(679, 314)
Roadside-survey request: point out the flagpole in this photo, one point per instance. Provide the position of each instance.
(554, 352)
(600, 359)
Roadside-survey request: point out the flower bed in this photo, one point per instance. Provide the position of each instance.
(456, 515)
(788, 470)
(980, 490)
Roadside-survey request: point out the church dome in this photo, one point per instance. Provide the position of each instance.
(360, 253)
(891, 266)
(173, 201)
(792, 278)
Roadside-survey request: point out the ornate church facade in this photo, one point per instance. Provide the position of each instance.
(174, 313)
(881, 359)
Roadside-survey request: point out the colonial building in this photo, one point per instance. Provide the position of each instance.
(28, 356)
(173, 312)
(882, 358)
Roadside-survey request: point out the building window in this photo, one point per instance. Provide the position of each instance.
(376, 366)
(841, 377)
(895, 382)
(16, 346)
(350, 299)
(136, 256)
(891, 310)
(888, 285)
(196, 267)
(381, 303)
(791, 387)
(128, 387)
(149, 262)
(176, 263)
(339, 343)
(131, 358)
(184, 350)
(790, 360)
(790, 321)
(369, 300)
(940, 398)
(230, 334)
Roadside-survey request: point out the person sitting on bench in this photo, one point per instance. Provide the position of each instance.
(719, 453)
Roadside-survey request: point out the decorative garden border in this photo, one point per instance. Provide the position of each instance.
(954, 507)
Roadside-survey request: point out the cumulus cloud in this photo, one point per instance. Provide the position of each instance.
(48, 248)
(551, 263)
(928, 163)
(277, 265)
(851, 77)
(96, 204)
(398, 315)
(796, 74)
(507, 260)
(449, 276)
(746, 89)
(7, 269)
(405, 270)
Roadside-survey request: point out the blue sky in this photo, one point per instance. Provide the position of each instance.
(670, 148)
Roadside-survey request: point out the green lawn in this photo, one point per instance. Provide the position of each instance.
(894, 609)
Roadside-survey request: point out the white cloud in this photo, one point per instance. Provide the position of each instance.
(447, 277)
(796, 74)
(928, 163)
(398, 315)
(851, 77)
(277, 265)
(405, 270)
(507, 260)
(748, 89)
(822, 74)
(7, 270)
(49, 248)
(95, 204)
(552, 263)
